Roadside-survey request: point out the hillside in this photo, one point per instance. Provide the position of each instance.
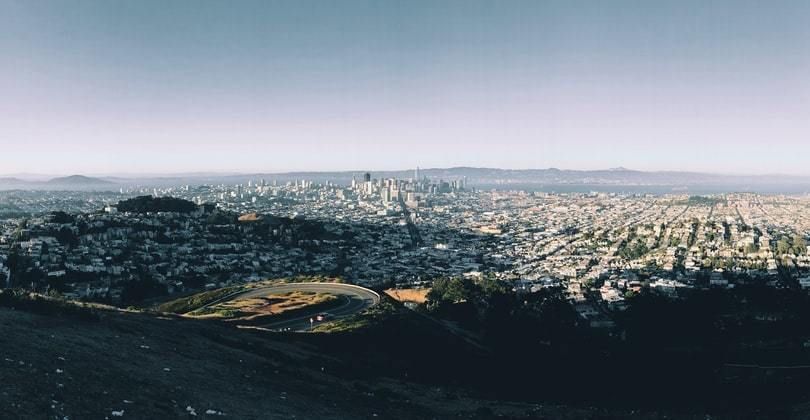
(156, 367)
(68, 183)
(78, 180)
(61, 361)
(11, 183)
(10, 180)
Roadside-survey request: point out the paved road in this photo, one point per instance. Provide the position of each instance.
(353, 300)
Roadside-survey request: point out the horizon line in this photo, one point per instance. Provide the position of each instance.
(205, 173)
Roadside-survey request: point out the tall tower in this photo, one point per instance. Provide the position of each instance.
(416, 174)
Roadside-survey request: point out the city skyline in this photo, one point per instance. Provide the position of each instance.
(414, 209)
(144, 87)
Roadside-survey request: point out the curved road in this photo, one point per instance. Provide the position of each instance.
(354, 299)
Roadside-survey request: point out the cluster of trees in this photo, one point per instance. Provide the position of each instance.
(633, 247)
(791, 245)
(60, 217)
(503, 318)
(725, 316)
(695, 225)
(218, 217)
(464, 299)
(144, 288)
(726, 233)
(633, 250)
(713, 262)
(751, 248)
(149, 204)
(698, 200)
(662, 349)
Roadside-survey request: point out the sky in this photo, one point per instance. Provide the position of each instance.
(142, 86)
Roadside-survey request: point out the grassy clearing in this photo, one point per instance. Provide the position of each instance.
(409, 295)
(269, 308)
(260, 319)
(376, 315)
(273, 304)
(214, 312)
(194, 302)
(250, 308)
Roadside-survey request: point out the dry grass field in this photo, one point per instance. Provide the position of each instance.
(409, 295)
(270, 305)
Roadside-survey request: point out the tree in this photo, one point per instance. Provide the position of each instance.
(782, 246)
(451, 290)
(66, 237)
(799, 244)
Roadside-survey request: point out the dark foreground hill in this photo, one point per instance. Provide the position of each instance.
(58, 360)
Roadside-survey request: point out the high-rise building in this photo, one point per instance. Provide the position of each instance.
(367, 177)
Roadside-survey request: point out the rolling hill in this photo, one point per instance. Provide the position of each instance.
(68, 360)
(73, 182)
(60, 360)
(79, 180)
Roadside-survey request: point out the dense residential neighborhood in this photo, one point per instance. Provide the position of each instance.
(599, 247)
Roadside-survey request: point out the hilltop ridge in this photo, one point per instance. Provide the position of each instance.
(77, 180)
(145, 365)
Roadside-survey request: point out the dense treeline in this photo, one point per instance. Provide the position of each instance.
(149, 204)
(662, 351)
(705, 201)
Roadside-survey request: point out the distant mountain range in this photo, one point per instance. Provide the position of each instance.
(78, 180)
(73, 182)
(477, 177)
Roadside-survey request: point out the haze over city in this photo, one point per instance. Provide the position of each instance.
(268, 86)
(387, 209)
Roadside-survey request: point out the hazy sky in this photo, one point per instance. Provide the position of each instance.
(178, 86)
